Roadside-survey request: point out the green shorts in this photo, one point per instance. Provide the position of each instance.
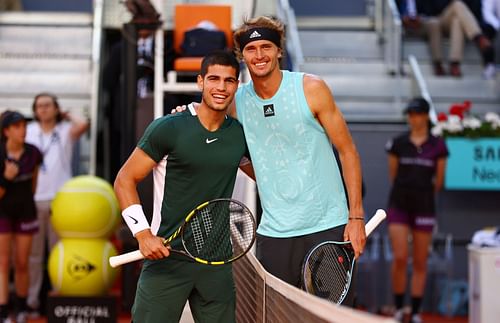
(164, 286)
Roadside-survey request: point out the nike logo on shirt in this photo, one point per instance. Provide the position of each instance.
(209, 141)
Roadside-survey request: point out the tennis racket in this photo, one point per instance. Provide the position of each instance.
(216, 232)
(328, 267)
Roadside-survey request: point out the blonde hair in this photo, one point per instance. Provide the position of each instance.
(258, 22)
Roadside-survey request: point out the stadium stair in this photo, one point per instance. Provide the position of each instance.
(46, 52)
(484, 94)
(352, 64)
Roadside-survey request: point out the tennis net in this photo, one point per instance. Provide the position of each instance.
(261, 297)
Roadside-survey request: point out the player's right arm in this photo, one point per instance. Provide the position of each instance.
(135, 169)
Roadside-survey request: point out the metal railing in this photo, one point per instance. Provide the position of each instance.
(389, 29)
(378, 18)
(419, 86)
(293, 46)
(94, 101)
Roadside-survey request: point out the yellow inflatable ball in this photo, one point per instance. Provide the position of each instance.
(85, 207)
(80, 267)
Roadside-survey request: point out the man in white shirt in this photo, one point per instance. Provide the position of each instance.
(54, 133)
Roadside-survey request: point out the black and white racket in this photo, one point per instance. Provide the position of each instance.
(216, 232)
(328, 267)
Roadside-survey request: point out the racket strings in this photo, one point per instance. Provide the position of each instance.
(222, 231)
(328, 272)
(242, 229)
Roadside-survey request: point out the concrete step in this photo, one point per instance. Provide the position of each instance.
(385, 97)
(45, 53)
(377, 99)
(420, 49)
(368, 87)
(331, 8)
(469, 70)
(463, 89)
(352, 65)
(58, 82)
(41, 41)
(340, 44)
(28, 65)
(343, 66)
(357, 110)
(329, 22)
(382, 110)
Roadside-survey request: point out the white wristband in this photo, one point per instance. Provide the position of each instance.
(135, 218)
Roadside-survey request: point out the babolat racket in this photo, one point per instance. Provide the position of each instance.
(328, 267)
(216, 232)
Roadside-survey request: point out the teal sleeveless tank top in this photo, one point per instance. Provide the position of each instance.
(298, 178)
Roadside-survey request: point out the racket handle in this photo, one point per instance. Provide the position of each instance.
(375, 221)
(125, 258)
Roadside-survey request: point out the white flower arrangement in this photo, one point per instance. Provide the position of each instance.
(460, 123)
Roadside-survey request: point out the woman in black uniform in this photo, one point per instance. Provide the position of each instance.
(19, 164)
(417, 161)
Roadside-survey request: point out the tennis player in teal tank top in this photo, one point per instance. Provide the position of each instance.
(291, 121)
(194, 157)
(306, 182)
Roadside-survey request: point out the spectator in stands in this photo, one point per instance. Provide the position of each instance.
(452, 17)
(54, 133)
(417, 163)
(19, 163)
(491, 25)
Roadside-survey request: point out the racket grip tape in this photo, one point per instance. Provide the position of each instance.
(125, 258)
(375, 221)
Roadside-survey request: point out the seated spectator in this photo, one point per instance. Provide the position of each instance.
(491, 27)
(451, 17)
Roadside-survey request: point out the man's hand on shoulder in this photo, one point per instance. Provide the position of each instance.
(178, 108)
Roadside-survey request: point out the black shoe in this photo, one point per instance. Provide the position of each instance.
(438, 69)
(455, 70)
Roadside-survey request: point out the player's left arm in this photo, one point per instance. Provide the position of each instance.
(326, 111)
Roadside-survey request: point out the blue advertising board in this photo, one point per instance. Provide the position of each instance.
(473, 164)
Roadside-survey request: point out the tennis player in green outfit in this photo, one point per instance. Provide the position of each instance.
(203, 148)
